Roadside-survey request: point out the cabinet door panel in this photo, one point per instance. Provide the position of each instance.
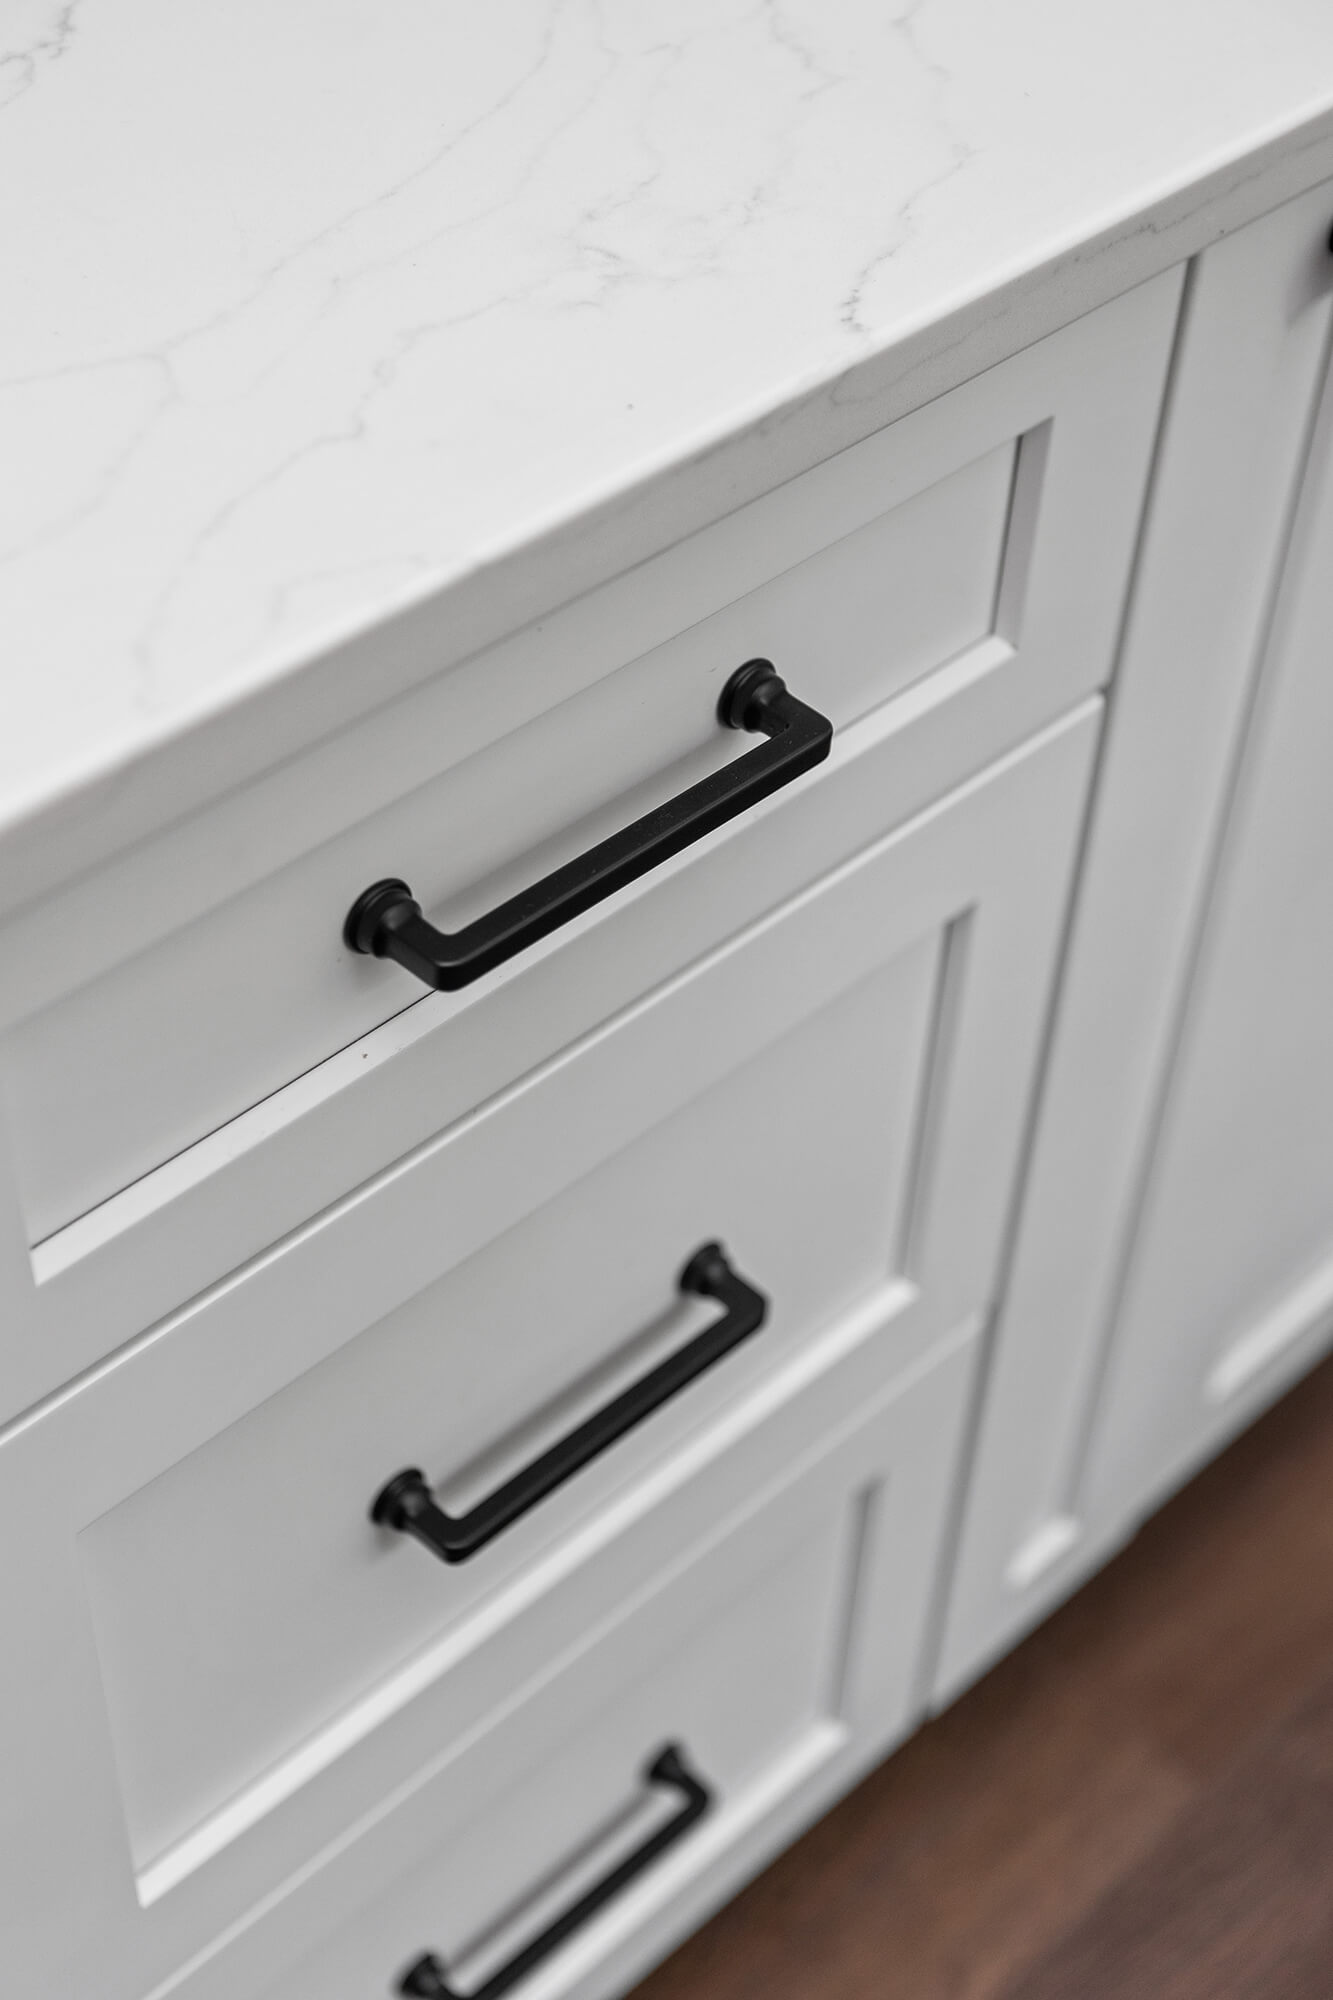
(1244, 383)
(1230, 1290)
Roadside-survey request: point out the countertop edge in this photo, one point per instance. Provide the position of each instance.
(160, 779)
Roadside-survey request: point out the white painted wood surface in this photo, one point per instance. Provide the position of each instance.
(927, 958)
(1229, 1293)
(783, 1655)
(182, 984)
(1256, 323)
(799, 1160)
(107, 1082)
(364, 1815)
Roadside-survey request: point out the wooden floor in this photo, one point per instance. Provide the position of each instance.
(1136, 1805)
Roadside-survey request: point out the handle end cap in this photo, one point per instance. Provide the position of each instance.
(393, 1503)
(757, 682)
(372, 906)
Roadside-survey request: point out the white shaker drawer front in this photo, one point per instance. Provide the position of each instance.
(495, 1409)
(217, 1636)
(958, 576)
(557, 1844)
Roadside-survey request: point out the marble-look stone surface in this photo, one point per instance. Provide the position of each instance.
(316, 312)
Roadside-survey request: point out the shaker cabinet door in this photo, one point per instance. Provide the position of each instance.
(1230, 1286)
(1232, 1214)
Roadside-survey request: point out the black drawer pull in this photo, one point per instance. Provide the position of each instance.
(386, 920)
(406, 1502)
(428, 1980)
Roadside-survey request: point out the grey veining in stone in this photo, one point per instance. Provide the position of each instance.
(313, 315)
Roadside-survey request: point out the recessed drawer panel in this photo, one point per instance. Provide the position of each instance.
(765, 1621)
(118, 1076)
(773, 1665)
(222, 1653)
(243, 1596)
(959, 576)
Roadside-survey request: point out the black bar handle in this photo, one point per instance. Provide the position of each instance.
(427, 1978)
(386, 920)
(407, 1503)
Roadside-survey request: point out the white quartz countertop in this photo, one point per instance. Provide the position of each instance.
(320, 312)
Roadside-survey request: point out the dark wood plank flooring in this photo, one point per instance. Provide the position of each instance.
(1137, 1804)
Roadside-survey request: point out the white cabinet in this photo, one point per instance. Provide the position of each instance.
(1010, 1101)
(1096, 1402)
(193, 1065)
(229, 1667)
(1229, 1292)
(780, 1656)
(278, 1227)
